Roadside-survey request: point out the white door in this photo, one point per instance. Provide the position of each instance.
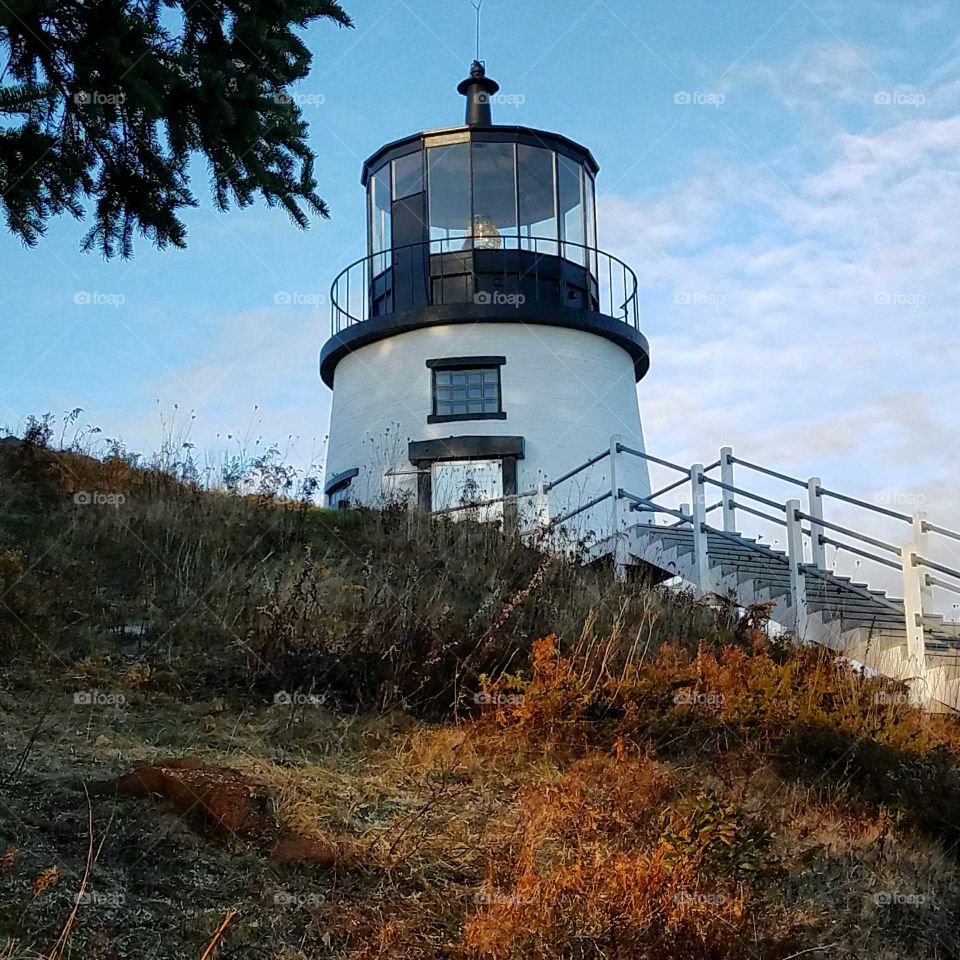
(458, 482)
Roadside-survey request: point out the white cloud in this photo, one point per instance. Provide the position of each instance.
(827, 71)
(826, 336)
(245, 394)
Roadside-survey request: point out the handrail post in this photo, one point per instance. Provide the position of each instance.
(542, 508)
(701, 556)
(619, 522)
(726, 476)
(798, 580)
(818, 549)
(921, 543)
(913, 585)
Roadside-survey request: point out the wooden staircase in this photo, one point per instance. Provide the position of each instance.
(860, 623)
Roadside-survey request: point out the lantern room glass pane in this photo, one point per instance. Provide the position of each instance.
(380, 227)
(494, 196)
(571, 208)
(590, 206)
(448, 170)
(407, 175)
(538, 204)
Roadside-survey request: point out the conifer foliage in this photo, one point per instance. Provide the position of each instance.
(105, 104)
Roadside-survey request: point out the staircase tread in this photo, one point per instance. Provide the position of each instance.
(847, 603)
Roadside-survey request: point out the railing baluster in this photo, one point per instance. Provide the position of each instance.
(921, 542)
(617, 513)
(913, 587)
(798, 580)
(701, 558)
(610, 285)
(818, 549)
(536, 267)
(726, 476)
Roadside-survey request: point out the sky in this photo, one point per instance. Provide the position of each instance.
(782, 175)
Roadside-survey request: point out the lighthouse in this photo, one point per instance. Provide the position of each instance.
(484, 346)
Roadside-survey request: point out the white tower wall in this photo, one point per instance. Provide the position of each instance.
(564, 391)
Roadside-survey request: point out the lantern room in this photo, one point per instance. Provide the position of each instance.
(440, 203)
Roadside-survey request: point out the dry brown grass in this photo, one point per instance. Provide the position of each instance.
(653, 777)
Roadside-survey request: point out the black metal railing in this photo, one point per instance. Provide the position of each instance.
(534, 271)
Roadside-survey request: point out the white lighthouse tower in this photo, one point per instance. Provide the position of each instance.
(484, 346)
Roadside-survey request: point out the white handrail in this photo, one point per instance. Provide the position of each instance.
(912, 559)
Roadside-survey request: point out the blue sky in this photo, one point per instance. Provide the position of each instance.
(782, 174)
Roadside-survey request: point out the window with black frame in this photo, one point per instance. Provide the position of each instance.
(467, 389)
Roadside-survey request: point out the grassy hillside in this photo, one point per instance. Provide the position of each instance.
(505, 755)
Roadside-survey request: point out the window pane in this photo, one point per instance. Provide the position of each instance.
(494, 196)
(538, 208)
(571, 208)
(469, 392)
(380, 219)
(590, 207)
(449, 189)
(407, 175)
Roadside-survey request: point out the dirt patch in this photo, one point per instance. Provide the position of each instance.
(226, 802)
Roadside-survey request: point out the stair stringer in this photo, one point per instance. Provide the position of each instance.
(880, 650)
(942, 691)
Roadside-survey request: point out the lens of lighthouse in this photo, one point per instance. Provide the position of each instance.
(484, 236)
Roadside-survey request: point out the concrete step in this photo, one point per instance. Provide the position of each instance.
(774, 567)
(751, 559)
(853, 606)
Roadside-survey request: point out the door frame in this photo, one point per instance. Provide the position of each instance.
(508, 450)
